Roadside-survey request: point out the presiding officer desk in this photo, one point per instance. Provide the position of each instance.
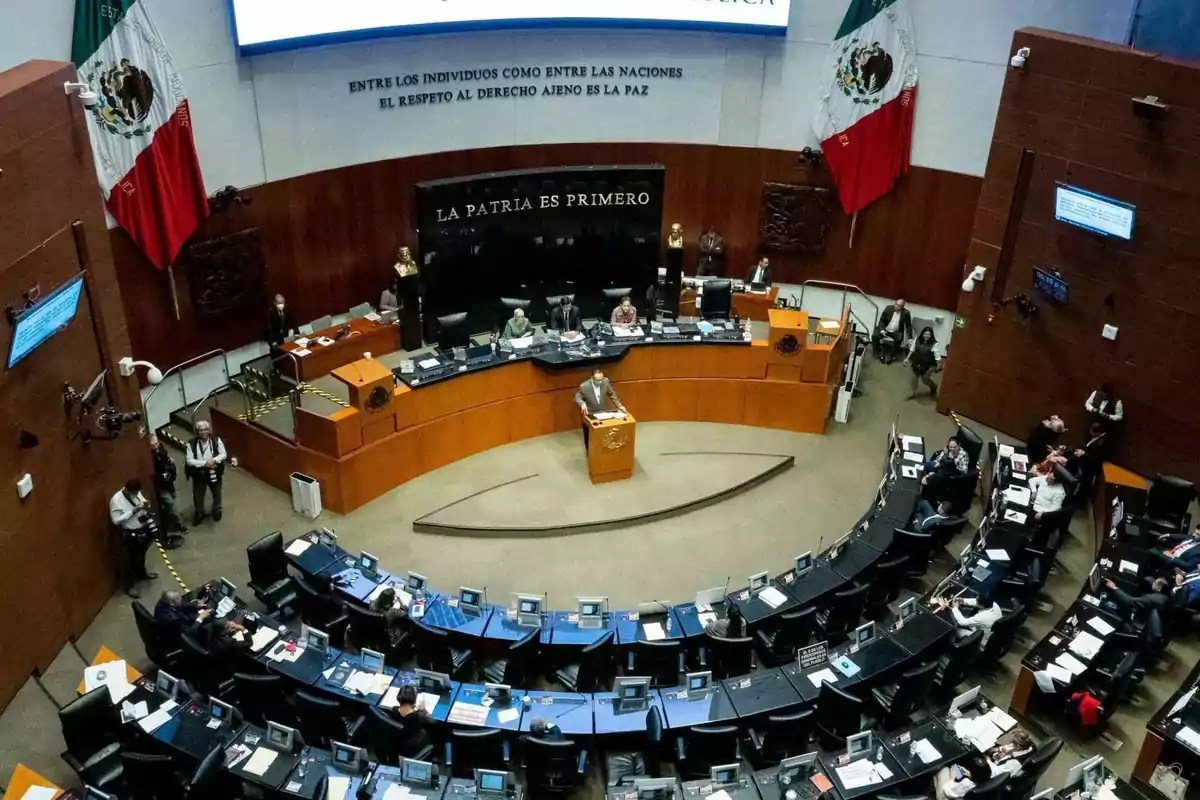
(440, 415)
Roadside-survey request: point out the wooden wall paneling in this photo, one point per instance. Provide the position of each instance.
(487, 426)
(1073, 109)
(721, 401)
(329, 238)
(532, 416)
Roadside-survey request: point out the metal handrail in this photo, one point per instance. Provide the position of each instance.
(203, 400)
(179, 368)
(845, 287)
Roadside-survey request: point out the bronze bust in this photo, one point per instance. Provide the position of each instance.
(675, 237)
(405, 265)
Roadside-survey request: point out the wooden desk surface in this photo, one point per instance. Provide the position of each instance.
(365, 336)
(103, 656)
(23, 778)
(1119, 476)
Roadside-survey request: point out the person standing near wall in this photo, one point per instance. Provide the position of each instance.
(134, 520)
(164, 486)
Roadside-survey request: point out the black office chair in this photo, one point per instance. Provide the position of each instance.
(917, 547)
(149, 777)
(553, 300)
(516, 668)
(321, 721)
(484, 748)
(91, 728)
(320, 609)
(434, 651)
(611, 298)
(368, 629)
(510, 304)
(845, 609)
(209, 781)
(392, 737)
(995, 788)
(904, 797)
(263, 698)
(594, 668)
(553, 768)
(885, 586)
(1004, 630)
(839, 714)
(623, 766)
(897, 701)
(780, 736)
(269, 579)
(203, 670)
(700, 748)
(453, 330)
(971, 444)
(160, 641)
(716, 299)
(1167, 504)
(793, 630)
(957, 662)
(1023, 785)
(726, 657)
(661, 661)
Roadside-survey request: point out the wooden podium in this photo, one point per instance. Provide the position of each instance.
(371, 387)
(610, 448)
(787, 342)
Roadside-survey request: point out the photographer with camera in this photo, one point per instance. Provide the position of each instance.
(137, 525)
(164, 486)
(205, 468)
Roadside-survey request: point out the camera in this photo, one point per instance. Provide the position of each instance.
(149, 521)
(112, 419)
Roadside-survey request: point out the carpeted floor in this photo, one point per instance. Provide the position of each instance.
(668, 559)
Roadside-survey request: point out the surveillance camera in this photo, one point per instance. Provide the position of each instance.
(1018, 60)
(153, 374)
(86, 96)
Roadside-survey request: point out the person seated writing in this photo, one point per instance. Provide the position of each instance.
(394, 615)
(1048, 494)
(517, 327)
(172, 612)
(1184, 553)
(624, 314)
(415, 718)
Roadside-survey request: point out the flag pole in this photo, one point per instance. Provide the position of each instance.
(174, 296)
(853, 225)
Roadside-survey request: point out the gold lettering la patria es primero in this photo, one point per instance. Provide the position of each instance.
(570, 200)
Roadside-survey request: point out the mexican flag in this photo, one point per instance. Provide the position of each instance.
(865, 114)
(141, 132)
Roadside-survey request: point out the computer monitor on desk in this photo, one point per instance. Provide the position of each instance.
(315, 640)
(225, 588)
(837, 547)
(803, 564)
(655, 788)
(347, 757)
(758, 581)
(863, 634)
(220, 711)
(327, 538)
(698, 681)
(529, 609)
(281, 737)
(711, 597)
(858, 745)
(499, 692)
(167, 684)
(1095, 579)
(473, 600)
(417, 772)
(491, 783)
(963, 700)
(371, 660)
(907, 609)
(368, 565)
(592, 611)
(724, 775)
(1088, 774)
(416, 584)
(432, 682)
(632, 690)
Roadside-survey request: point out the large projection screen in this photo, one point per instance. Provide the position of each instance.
(266, 25)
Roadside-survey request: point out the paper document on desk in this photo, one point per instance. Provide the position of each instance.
(391, 698)
(524, 343)
(262, 638)
(302, 352)
(1070, 663)
(224, 607)
(467, 714)
(603, 415)
(297, 547)
(906, 440)
(428, 701)
(428, 363)
(1189, 737)
(1086, 645)
(1183, 700)
(507, 715)
(981, 732)
(111, 674)
(706, 618)
(858, 774)
(915, 457)
(131, 712)
(925, 751)
(620, 330)
(831, 323)
(1101, 626)
(39, 793)
(1017, 494)
(997, 555)
(1015, 516)
(159, 718)
(396, 792)
(1005, 450)
(261, 761)
(654, 631)
(822, 676)
(337, 787)
(772, 597)
(720, 794)
(909, 472)
(1128, 566)
(1000, 719)
(1059, 673)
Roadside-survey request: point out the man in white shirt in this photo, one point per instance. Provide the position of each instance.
(131, 514)
(983, 619)
(1048, 494)
(1105, 407)
(206, 458)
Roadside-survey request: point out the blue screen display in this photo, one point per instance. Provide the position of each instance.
(52, 313)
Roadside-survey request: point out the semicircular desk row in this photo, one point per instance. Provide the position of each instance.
(740, 700)
(454, 410)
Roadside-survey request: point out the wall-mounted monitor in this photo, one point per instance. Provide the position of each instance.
(1093, 212)
(1050, 285)
(265, 25)
(45, 318)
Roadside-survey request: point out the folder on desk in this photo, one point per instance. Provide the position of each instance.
(845, 666)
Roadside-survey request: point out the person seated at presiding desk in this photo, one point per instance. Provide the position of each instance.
(927, 518)
(591, 398)
(389, 300)
(1048, 494)
(960, 778)
(517, 327)
(893, 330)
(545, 729)
(1184, 553)
(759, 274)
(566, 317)
(624, 314)
(983, 619)
(172, 611)
(280, 324)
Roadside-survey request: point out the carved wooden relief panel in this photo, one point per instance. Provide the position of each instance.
(225, 275)
(795, 219)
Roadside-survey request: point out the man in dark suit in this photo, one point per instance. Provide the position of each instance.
(892, 331)
(279, 322)
(545, 729)
(759, 274)
(172, 611)
(591, 398)
(566, 316)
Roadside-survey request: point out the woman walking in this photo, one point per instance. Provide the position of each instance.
(923, 358)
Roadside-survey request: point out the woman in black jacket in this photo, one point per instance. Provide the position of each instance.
(922, 357)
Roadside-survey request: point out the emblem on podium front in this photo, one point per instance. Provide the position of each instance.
(787, 345)
(614, 439)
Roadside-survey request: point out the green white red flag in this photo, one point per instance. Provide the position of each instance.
(865, 113)
(140, 129)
